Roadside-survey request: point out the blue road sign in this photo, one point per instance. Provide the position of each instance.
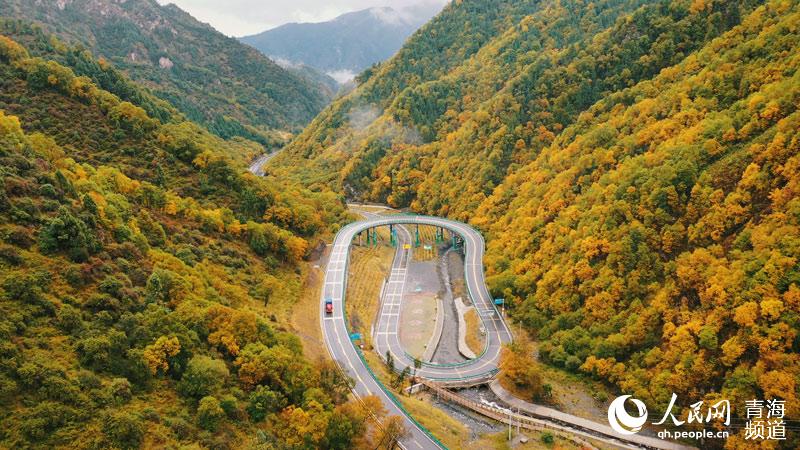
(499, 301)
(355, 336)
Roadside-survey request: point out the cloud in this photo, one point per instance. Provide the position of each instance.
(363, 116)
(342, 76)
(314, 15)
(285, 63)
(388, 15)
(245, 17)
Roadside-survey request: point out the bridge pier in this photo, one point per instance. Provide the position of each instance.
(456, 242)
(372, 236)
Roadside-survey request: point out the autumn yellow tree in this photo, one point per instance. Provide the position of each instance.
(157, 355)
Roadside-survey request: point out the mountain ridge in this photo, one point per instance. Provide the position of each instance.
(212, 79)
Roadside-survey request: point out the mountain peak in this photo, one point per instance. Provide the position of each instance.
(345, 45)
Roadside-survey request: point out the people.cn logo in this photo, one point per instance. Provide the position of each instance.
(621, 421)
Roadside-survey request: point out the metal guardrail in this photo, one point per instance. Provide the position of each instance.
(360, 354)
(452, 228)
(454, 381)
(396, 401)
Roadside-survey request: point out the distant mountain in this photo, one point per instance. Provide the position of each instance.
(215, 80)
(346, 45)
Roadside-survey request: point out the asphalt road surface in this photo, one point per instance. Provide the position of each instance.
(257, 166)
(341, 348)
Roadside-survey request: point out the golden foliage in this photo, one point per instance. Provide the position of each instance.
(157, 354)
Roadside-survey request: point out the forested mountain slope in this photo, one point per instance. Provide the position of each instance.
(484, 86)
(138, 263)
(654, 243)
(214, 80)
(633, 164)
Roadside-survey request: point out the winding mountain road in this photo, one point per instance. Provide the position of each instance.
(344, 352)
(257, 166)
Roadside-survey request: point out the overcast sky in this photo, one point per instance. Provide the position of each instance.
(245, 17)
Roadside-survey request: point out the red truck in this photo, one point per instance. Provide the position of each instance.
(328, 306)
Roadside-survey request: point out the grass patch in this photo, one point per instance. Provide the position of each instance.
(475, 340)
(372, 209)
(304, 320)
(427, 236)
(459, 288)
(369, 266)
(537, 440)
(450, 431)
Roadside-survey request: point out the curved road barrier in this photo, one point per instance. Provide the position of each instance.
(348, 356)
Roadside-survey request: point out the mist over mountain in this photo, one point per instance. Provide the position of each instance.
(348, 44)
